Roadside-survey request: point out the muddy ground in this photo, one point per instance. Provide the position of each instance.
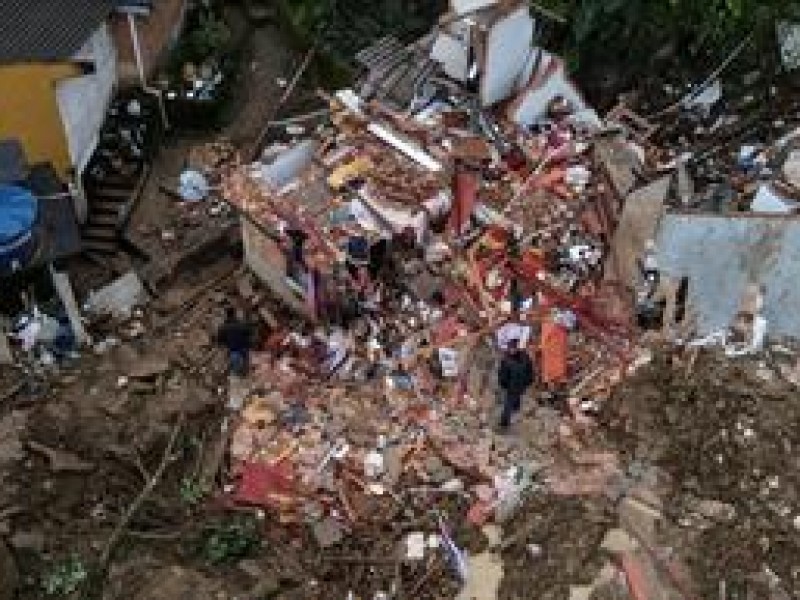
(725, 435)
(720, 434)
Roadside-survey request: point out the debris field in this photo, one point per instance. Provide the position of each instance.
(391, 257)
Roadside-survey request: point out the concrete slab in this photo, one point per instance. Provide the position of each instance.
(639, 519)
(638, 223)
(64, 289)
(618, 541)
(484, 574)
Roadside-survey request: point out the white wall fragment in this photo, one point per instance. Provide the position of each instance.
(508, 46)
(463, 7)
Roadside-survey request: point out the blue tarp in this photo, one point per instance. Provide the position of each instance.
(18, 211)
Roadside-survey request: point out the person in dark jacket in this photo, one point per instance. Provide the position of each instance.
(237, 336)
(295, 254)
(515, 376)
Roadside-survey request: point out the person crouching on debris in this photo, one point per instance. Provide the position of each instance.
(515, 377)
(237, 336)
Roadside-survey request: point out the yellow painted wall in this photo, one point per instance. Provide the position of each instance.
(29, 110)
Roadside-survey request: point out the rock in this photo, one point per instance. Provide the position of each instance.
(437, 470)
(715, 510)
(117, 298)
(244, 286)
(176, 583)
(9, 575)
(639, 518)
(393, 463)
(791, 168)
(11, 449)
(252, 568)
(266, 588)
(580, 592)
(494, 535)
(415, 546)
(146, 368)
(327, 532)
(618, 541)
(535, 550)
(6, 357)
(32, 541)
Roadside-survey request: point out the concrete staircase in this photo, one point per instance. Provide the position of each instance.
(111, 203)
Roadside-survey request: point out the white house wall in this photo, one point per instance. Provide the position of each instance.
(723, 255)
(83, 100)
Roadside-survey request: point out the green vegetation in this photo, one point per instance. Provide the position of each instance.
(346, 26)
(192, 491)
(65, 578)
(662, 35)
(210, 37)
(611, 44)
(231, 540)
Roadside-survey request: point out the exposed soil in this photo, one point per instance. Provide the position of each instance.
(725, 431)
(162, 226)
(555, 546)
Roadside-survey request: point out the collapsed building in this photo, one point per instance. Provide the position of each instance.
(464, 194)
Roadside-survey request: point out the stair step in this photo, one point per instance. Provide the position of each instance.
(125, 182)
(100, 232)
(106, 206)
(103, 219)
(99, 257)
(100, 246)
(108, 193)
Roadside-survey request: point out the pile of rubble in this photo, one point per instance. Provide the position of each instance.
(464, 220)
(433, 220)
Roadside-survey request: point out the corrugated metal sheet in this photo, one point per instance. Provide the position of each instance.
(47, 29)
(722, 255)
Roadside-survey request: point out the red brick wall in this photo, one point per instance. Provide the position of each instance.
(156, 33)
